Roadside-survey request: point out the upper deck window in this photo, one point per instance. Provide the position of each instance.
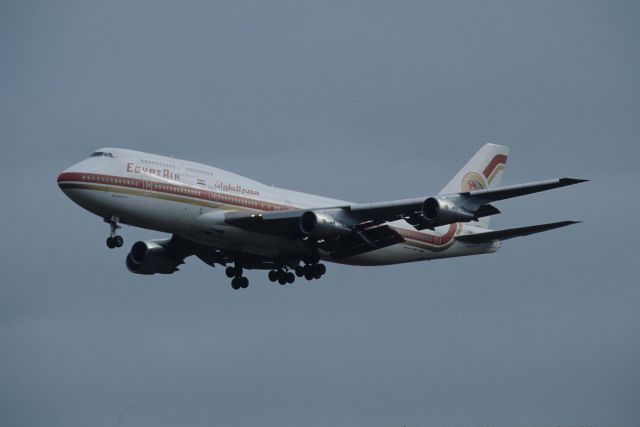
(101, 154)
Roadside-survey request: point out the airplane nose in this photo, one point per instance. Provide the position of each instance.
(64, 177)
(70, 175)
(67, 176)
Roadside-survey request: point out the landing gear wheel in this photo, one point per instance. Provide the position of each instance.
(313, 271)
(110, 243)
(273, 275)
(230, 272)
(235, 283)
(118, 241)
(299, 271)
(290, 278)
(317, 270)
(244, 282)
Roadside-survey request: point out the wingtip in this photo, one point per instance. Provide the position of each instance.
(570, 181)
(567, 223)
(563, 223)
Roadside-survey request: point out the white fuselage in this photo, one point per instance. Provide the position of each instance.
(190, 199)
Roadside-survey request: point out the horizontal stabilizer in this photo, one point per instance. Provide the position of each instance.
(510, 233)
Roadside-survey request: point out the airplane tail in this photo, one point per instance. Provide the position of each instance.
(483, 171)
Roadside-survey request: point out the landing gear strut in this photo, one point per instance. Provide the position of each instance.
(312, 269)
(113, 241)
(237, 279)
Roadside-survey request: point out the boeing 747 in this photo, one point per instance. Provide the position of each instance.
(227, 219)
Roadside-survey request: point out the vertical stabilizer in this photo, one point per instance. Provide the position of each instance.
(484, 170)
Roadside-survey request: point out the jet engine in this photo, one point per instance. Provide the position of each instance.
(441, 212)
(151, 257)
(322, 225)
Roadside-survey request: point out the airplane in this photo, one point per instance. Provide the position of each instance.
(230, 220)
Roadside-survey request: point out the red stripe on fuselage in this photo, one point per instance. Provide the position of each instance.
(170, 189)
(430, 239)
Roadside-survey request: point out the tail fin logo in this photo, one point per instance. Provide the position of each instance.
(496, 165)
(482, 171)
(473, 181)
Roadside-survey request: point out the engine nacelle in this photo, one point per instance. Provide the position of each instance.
(322, 225)
(151, 257)
(442, 212)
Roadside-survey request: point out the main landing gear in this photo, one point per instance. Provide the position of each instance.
(113, 241)
(237, 279)
(281, 276)
(284, 274)
(311, 271)
(308, 271)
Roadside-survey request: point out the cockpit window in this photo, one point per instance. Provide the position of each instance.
(101, 154)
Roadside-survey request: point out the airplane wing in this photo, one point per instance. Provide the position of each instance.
(360, 219)
(353, 229)
(475, 203)
(480, 197)
(510, 233)
(410, 210)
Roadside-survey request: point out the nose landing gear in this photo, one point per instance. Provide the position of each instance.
(113, 241)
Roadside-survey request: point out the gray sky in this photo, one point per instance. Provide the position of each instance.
(361, 101)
